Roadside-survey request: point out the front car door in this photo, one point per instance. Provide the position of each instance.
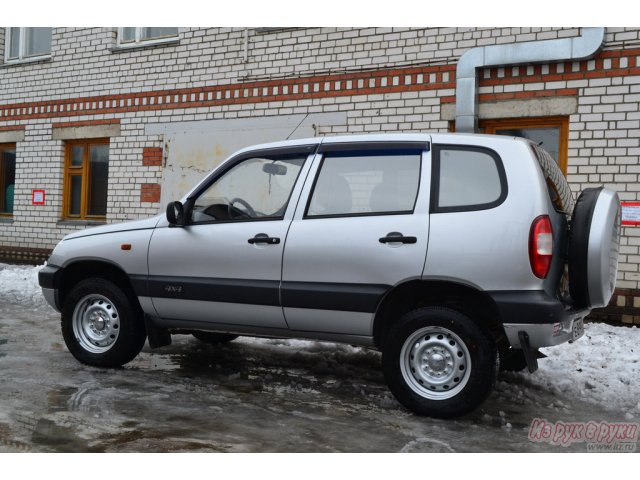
(224, 267)
(360, 228)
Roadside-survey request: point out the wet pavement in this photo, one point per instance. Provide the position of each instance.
(252, 395)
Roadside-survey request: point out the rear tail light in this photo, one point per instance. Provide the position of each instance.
(541, 246)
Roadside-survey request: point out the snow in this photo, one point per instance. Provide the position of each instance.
(21, 282)
(602, 368)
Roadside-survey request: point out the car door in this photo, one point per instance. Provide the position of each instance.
(362, 228)
(224, 265)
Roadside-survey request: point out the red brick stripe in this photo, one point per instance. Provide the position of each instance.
(345, 84)
(362, 83)
(87, 123)
(494, 97)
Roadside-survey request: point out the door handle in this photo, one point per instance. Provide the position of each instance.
(264, 238)
(397, 237)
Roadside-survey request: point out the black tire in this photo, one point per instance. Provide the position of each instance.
(213, 338)
(107, 329)
(513, 361)
(439, 332)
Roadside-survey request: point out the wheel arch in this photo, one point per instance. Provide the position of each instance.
(79, 270)
(413, 294)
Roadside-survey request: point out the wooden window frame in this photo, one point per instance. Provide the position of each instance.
(490, 127)
(84, 171)
(3, 147)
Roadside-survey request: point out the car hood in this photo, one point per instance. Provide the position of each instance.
(116, 227)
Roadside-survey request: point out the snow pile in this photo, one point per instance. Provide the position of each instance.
(603, 368)
(21, 282)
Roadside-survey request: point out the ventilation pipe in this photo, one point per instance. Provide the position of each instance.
(566, 49)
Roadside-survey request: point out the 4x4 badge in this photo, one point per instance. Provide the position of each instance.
(173, 289)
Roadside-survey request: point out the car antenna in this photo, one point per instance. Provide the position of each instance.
(297, 126)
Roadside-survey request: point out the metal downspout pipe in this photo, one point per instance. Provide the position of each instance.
(566, 49)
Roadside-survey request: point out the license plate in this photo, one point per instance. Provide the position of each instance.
(577, 330)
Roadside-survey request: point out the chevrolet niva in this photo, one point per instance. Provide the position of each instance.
(450, 253)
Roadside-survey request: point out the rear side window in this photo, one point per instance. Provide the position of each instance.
(366, 183)
(466, 178)
(557, 185)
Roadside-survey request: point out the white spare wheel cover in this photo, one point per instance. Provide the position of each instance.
(594, 247)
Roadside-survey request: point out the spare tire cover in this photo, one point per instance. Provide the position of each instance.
(594, 246)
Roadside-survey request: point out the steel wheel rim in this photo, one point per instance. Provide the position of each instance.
(435, 363)
(96, 323)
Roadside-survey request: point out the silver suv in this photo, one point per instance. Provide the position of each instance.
(450, 253)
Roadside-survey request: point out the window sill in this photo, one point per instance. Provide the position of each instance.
(139, 46)
(80, 223)
(6, 220)
(26, 61)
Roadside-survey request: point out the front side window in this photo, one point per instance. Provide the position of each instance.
(86, 176)
(466, 178)
(7, 178)
(367, 183)
(27, 42)
(257, 188)
(130, 36)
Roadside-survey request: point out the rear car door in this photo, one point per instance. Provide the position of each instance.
(223, 267)
(361, 227)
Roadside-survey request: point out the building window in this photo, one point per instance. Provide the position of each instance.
(27, 43)
(86, 175)
(133, 36)
(551, 133)
(7, 179)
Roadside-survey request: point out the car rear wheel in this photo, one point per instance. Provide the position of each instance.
(100, 325)
(213, 338)
(438, 362)
(513, 361)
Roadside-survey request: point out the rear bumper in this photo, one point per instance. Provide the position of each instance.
(546, 320)
(546, 334)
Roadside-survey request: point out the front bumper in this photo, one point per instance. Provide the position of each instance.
(545, 319)
(49, 280)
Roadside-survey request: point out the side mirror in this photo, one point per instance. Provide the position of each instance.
(175, 214)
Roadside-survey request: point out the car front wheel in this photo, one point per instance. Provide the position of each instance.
(100, 325)
(438, 362)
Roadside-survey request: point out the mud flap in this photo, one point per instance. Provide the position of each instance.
(157, 337)
(529, 355)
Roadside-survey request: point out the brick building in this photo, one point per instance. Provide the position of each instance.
(108, 124)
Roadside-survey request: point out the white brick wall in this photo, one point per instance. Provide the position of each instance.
(604, 143)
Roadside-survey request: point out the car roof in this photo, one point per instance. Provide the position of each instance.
(435, 137)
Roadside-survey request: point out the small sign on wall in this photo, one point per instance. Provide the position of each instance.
(630, 213)
(37, 197)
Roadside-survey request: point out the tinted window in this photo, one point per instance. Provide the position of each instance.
(467, 178)
(366, 183)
